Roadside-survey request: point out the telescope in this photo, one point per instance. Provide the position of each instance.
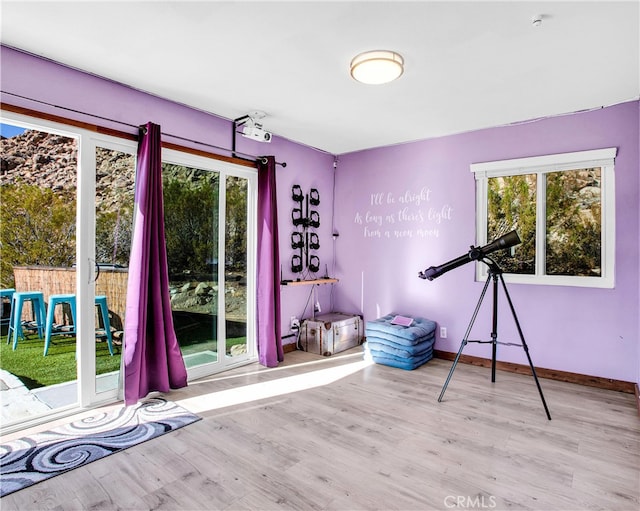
(494, 274)
(509, 240)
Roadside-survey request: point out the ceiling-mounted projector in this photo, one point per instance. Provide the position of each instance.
(255, 132)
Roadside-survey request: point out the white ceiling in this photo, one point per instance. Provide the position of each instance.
(468, 65)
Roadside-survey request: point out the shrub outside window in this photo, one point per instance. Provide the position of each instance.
(563, 208)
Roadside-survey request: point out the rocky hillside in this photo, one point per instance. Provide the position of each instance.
(50, 161)
(38, 158)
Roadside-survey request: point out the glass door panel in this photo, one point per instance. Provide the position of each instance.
(235, 289)
(191, 204)
(114, 201)
(37, 272)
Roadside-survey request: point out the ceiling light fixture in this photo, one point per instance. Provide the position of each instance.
(377, 67)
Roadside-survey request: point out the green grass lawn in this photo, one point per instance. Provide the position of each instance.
(195, 334)
(36, 370)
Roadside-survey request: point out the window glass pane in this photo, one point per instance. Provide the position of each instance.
(37, 259)
(574, 211)
(236, 266)
(191, 227)
(512, 205)
(115, 188)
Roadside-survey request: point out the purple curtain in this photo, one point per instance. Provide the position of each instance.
(152, 356)
(269, 341)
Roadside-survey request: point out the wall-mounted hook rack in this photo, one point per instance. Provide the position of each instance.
(303, 239)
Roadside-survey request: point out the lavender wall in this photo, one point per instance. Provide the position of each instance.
(428, 192)
(401, 209)
(49, 82)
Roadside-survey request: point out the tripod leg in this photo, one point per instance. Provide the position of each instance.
(525, 347)
(465, 339)
(453, 367)
(494, 328)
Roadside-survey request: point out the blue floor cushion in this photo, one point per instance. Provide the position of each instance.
(400, 350)
(382, 327)
(408, 364)
(397, 340)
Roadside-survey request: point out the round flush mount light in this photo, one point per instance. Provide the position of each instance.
(377, 67)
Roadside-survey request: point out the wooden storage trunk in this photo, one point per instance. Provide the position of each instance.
(331, 333)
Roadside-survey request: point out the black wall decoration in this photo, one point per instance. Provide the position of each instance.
(304, 239)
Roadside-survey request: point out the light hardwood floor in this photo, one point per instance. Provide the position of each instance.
(336, 433)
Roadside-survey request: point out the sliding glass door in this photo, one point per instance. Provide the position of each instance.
(211, 270)
(237, 268)
(38, 246)
(191, 203)
(114, 198)
(67, 212)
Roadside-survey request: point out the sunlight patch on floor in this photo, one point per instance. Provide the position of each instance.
(262, 369)
(272, 388)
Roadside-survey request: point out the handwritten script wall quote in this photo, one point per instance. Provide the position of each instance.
(410, 214)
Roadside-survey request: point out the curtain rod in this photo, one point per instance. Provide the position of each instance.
(251, 157)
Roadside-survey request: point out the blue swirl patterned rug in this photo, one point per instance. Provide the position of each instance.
(32, 459)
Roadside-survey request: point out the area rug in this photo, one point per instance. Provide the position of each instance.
(34, 458)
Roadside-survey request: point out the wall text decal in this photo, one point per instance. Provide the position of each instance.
(410, 214)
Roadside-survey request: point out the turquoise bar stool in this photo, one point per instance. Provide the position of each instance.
(101, 302)
(50, 329)
(15, 321)
(5, 293)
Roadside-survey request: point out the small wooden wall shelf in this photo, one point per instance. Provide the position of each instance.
(307, 282)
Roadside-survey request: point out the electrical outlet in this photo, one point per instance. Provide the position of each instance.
(295, 323)
(443, 332)
(317, 307)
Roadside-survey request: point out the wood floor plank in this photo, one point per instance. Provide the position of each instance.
(333, 433)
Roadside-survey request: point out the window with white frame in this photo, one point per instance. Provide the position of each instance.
(563, 208)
